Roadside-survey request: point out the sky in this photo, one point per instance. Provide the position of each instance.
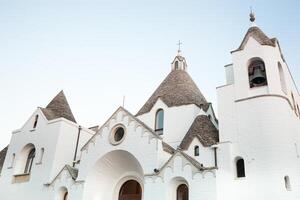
(98, 51)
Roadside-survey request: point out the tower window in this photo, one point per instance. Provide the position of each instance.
(29, 161)
(196, 151)
(41, 155)
(282, 78)
(294, 104)
(13, 160)
(176, 65)
(35, 121)
(287, 183)
(257, 73)
(240, 168)
(159, 121)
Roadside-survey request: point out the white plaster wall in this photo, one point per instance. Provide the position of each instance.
(262, 130)
(57, 137)
(179, 171)
(206, 154)
(177, 120)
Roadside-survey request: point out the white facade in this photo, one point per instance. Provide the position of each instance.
(188, 147)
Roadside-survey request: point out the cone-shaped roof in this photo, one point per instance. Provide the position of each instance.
(256, 33)
(177, 89)
(204, 130)
(59, 107)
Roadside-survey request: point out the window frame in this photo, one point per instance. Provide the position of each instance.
(196, 151)
(158, 129)
(240, 166)
(29, 161)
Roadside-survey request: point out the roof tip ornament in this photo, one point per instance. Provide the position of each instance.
(252, 17)
(179, 46)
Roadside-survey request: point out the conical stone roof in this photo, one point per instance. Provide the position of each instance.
(177, 89)
(59, 107)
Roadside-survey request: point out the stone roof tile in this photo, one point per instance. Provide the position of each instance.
(203, 129)
(59, 107)
(177, 89)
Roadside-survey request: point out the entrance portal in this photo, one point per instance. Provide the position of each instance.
(130, 190)
(183, 192)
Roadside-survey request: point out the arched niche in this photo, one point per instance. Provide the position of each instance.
(62, 194)
(178, 189)
(107, 176)
(22, 158)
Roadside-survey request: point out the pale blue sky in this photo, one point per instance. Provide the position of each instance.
(98, 51)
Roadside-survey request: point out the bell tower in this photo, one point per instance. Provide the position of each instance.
(179, 62)
(258, 122)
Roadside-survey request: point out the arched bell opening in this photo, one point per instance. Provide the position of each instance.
(257, 73)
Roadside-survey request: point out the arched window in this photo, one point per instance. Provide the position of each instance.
(294, 103)
(29, 161)
(35, 121)
(159, 122)
(176, 64)
(240, 168)
(257, 73)
(196, 150)
(13, 160)
(41, 155)
(287, 183)
(282, 78)
(66, 196)
(182, 192)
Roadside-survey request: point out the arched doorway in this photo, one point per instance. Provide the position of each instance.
(130, 190)
(66, 196)
(108, 175)
(182, 192)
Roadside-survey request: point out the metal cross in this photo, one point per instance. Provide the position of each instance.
(179, 45)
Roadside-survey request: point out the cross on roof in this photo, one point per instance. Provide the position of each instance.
(179, 45)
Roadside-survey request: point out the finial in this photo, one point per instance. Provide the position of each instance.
(252, 15)
(179, 46)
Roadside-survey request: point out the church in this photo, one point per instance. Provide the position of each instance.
(174, 147)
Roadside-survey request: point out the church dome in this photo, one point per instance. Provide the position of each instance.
(177, 89)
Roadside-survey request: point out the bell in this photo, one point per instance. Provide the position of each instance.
(258, 77)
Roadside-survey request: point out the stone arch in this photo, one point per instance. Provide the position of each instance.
(110, 172)
(22, 158)
(62, 194)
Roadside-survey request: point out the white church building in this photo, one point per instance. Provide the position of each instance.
(174, 147)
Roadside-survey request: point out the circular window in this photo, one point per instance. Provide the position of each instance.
(117, 135)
